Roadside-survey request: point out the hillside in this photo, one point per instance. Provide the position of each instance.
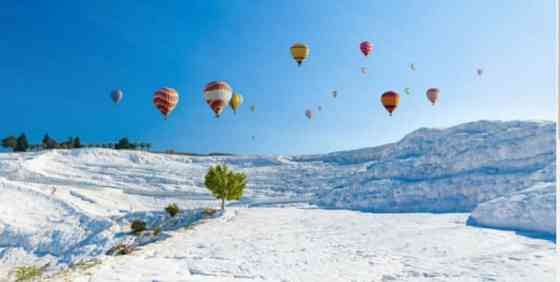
(64, 205)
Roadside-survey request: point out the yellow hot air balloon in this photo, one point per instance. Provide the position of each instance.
(299, 52)
(236, 101)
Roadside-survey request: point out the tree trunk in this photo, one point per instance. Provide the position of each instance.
(223, 201)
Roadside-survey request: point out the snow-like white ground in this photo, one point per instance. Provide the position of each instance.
(533, 210)
(62, 206)
(289, 244)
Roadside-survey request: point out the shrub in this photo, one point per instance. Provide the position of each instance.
(25, 273)
(138, 226)
(157, 231)
(120, 250)
(172, 209)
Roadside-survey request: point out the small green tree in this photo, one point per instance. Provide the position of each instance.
(225, 184)
(9, 142)
(21, 144)
(172, 209)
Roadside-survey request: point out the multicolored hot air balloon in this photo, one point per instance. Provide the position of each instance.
(364, 70)
(390, 100)
(432, 94)
(253, 108)
(366, 47)
(334, 93)
(309, 114)
(165, 100)
(217, 95)
(117, 95)
(299, 52)
(236, 101)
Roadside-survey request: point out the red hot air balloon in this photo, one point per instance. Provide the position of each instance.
(366, 47)
(217, 95)
(165, 100)
(432, 94)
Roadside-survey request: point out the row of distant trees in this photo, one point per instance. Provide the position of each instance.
(20, 144)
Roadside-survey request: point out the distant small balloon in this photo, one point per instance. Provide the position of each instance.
(319, 108)
(253, 108)
(366, 47)
(116, 96)
(479, 72)
(309, 114)
(407, 91)
(412, 67)
(432, 94)
(334, 94)
(364, 70)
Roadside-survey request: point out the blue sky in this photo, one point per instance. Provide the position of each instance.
(59, 61)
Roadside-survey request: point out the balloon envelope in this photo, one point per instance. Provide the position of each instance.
(390, 100)
(117, 95)
(433, 95)
(236, 101)
(300, 52)
(165, 100)
(309, 114)
(217, 95)
(366, 47)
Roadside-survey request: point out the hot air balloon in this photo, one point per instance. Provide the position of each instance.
(390, 101)
(217, 95)
(166, 99)
(432, 94)
(253, 108)
(366, 47)
(236, 101)
(253, 137)
(299, 52)
(117, 95)
(364, 70)
(309, 114)
(407, 91)
(319, 108)
(479, 72)
(334, 94)
(412, 67)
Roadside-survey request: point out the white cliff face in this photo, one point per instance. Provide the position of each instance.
(450, 170)
(531, 210)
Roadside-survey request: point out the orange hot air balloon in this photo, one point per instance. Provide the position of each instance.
(165, 100)
(390, 101)
(432, 94)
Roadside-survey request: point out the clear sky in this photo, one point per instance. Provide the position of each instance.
(60, 60)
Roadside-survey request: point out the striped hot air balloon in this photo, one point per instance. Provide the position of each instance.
(116, 96)
(217, 95)
(299, 52)
(433, 95)
(309, 114)
(390, 101)
(366, 47)
(236, 101)
(165, 100)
